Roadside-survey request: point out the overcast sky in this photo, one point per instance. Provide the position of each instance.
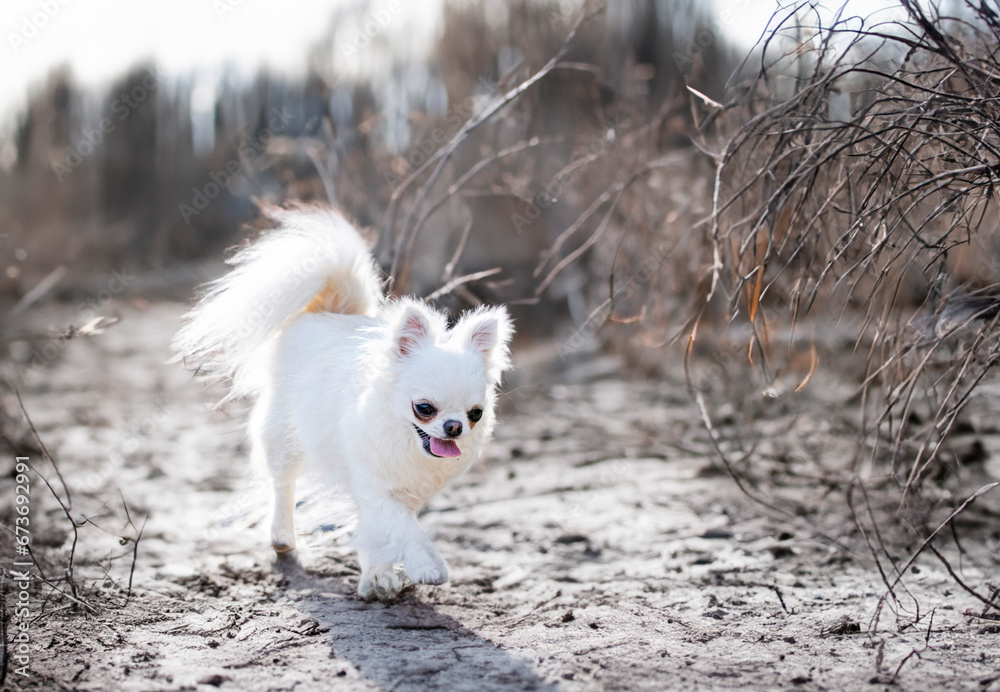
(100, 39)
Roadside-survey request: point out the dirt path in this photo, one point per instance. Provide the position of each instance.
(597, 548)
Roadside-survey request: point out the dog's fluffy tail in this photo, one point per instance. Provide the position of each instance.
(314, 261)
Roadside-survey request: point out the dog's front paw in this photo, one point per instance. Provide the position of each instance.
(283, 547)
(381, 583)
(282, 538)
(427, 568)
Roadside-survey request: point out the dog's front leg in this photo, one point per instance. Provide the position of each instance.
(283, 515)
(388, 534)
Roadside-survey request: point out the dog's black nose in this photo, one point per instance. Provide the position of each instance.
(452, 428)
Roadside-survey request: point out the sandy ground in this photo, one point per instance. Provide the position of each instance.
(598, 547)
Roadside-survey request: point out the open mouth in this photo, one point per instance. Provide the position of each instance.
(437, 447)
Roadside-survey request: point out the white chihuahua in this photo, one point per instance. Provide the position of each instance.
(376, 395)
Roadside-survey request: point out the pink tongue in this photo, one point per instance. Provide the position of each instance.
(444, 448)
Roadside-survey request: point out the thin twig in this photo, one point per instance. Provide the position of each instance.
(461, 280)
(445, 153)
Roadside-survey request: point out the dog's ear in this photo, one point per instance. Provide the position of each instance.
(487, 331)
(415, 325)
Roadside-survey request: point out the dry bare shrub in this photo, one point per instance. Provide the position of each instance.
(834, 223)
(863, 184)
(867, 187)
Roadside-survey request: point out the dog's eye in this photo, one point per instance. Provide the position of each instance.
(424, 410)
(475, 414)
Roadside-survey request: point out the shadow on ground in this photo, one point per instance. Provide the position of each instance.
(406, 645)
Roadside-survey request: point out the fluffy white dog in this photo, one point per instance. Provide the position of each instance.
(376, 395)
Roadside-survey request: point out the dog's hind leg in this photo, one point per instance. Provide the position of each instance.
(283, 509)
(284, 464)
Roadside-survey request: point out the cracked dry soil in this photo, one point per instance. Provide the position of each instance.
(598, 546)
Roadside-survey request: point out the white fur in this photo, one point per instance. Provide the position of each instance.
(334, 393)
